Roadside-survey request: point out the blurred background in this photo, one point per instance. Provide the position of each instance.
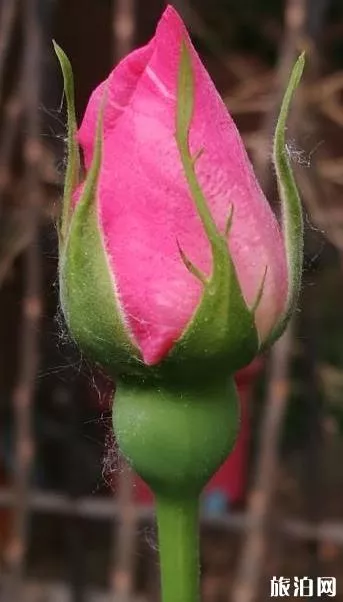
(75, 524)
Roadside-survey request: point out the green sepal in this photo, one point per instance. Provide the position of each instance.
(222, 332)
(292, 219)
(87, 289)
(73, 164)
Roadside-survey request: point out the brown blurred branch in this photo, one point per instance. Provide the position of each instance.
(12, 116)
(14, 238)
(8, 12)
(31, 306)
(100, 508)
(123, 27)
(293, 43)
(124, 554)
(255, 546)
(260, 499)
(320, 106)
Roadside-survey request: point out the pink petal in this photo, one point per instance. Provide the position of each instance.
(119, 87)
(145, 207)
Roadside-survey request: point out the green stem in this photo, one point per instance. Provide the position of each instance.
(179, 548)
(175, 435)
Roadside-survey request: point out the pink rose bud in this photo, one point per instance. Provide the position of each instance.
(170, 253)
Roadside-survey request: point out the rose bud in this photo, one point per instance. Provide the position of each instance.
(170, 253)
(174, 272)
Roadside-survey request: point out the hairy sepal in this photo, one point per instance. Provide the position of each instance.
(73, 155)
(222, 333)
(87, 288)
(292, 219)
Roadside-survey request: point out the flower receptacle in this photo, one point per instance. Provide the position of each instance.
(175, 437)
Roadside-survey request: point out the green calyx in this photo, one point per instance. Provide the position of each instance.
(87, 292)
(73, 166)
(214, 336)
(223, 324)
(222, 333)
(292, 220)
